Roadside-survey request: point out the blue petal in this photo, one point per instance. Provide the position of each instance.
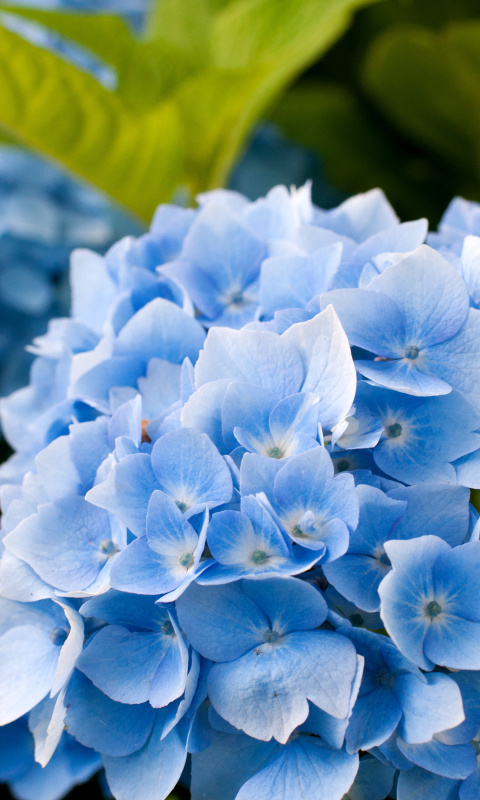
(258, 357)
(257, 474)
(222, 246)
(404, 375)
(290, 604)
(126, 491)
(371, 320)
(168, 532)
(292, 281)
(426, 786)
(190, 469)
(221, 622)
(450, 761)
(375, 717)
(111, 728)
(405, 591)
(328, 364)
(25, 651)
(71, 764)
(93, 290)
(203, 409)
(150, 773)
(125, 665)
(221, 770)
(306, 484)
(237, 688)
(123, 609)
(246, 406)
(304, 768)
(427, 708)
(432, 509)
(160, 330)
(456, 360)
(430, 294)
(295, 414)
(63, 542)
(357, 577)
(373, 782)
(140, 570)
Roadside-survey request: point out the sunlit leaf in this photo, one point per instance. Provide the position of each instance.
(65, 113)
(187, 93)
(428, 83)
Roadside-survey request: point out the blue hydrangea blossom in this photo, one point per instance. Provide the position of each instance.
(237, 525)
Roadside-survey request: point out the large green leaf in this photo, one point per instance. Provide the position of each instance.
(188, 92)
(428, 84)
(65, 113)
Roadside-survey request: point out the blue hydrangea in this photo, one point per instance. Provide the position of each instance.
(43, 215)
(237, 523)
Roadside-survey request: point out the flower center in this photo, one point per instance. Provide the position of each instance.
(167, 628)
(181, 505)
(58, 636)
(271, 636)
(412, 352)
(394, 431)
(107, 547)
(384, 678)
(296, 531)
(186, 560)
(384, 559)
(259, 556)
(275, 452)
(433, 609)
(237, 298)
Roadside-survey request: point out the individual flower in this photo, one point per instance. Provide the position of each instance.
(262, 633)
(429, 601)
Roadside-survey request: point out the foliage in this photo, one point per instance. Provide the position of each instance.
(188, 91)
(401, 89)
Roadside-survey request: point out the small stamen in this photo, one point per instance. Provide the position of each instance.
(412, 352)
(259, 556)
(275, 452)
(433, 609)
(167, 628)
(107, 547)
(145, 437)
(394, 431)
(186, 560)
(271, 636)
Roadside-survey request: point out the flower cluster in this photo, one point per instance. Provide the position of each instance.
(43, 215)
(237, 522)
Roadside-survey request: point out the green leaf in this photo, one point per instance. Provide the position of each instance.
(188, 93)
(356, 150)
(428, 84)
(265, 48)
(65, 113)
(138, 63)
(475, 498)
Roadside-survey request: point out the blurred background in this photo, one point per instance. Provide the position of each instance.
(109, 107)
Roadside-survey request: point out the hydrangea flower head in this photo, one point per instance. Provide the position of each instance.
(237, 525)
